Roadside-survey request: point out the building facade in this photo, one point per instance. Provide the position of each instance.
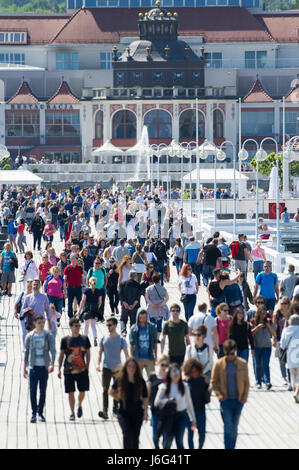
(59, 94)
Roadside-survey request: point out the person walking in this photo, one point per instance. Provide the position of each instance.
(203, 318)
(267, 282)
(178, 336)
(139, 261)
(37, 228)
(188, 287)
(89, 307)
(21, 241)
(290, 342)
(124, 270)
(209, 256)
(121, 251)
(191, 252)
(39, 344)
(154, 380)
(111, 346)
(258, 257)
(12, 230)
(200, 350)
(73, 281)
(143, 342)
(230, 382)
(8, 264)
(200, 395)
(281, 316)
(18, 307)
(216, 289)
(53, 287)
(263, 330)
(156, 297)
(129, 294)
(178, 255)
(223, 322)
(288, 282)
(112, 282)
(38, 302)
(240, 331)
(177, 391)
(75, 349)
(28, 269)
(129, 389)
(240, 253)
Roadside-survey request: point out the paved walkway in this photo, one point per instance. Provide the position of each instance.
(270, 419)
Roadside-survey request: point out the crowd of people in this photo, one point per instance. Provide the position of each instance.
(156, 355)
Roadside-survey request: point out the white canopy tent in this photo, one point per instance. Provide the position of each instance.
(223, 175)
(19, 177)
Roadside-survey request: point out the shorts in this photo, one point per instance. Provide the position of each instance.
(270, 304)
(12, 237)
(8, 276)
(81, 379)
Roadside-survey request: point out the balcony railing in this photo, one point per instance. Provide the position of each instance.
(160, 92)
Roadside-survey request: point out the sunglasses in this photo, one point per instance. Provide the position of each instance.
(285, 303)
(198, 334)
(164, 365)
(175, 311)
(175, 371)
(267, 266)
(260, 302)
(225, 310)
(76, 325)
(109, 325)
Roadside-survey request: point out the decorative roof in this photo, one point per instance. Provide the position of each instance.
(257, 94)
(63, 95)
(23, 95)
(293, 94)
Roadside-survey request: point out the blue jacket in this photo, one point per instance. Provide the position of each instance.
(134, 337)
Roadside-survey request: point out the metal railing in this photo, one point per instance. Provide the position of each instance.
(161, 92)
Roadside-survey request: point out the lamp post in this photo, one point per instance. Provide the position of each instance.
(197, 164)
(220, 157)
(243, 155)
(277, 189)
(163, 150)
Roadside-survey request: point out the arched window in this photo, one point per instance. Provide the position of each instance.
(99, 125)
(159, 124)
(188, 124)
(124, 125)
(218, 124)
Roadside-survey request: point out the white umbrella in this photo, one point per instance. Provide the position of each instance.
(273, 184)
(136, 149)
(107, 148)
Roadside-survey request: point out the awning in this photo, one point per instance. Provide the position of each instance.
(19, 177)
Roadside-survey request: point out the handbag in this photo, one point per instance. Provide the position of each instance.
(184, 298)
(22, 277)
(283, 355)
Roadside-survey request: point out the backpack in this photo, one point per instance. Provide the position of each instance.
(160, 250)
(48, 279)
(234, 246)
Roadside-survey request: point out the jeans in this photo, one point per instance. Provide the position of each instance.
(189, 305)
(61, 232)
(283, 369)
(130, 426)
(196, 270)
(125, 314)
(207, 273)
(107, 375)
(37, 238)
(230, 412)
(262, 360)
(181, 421)
(257, 267)
(178, 264)
(38, 375)
(160, 269)
(73, 292)
(154, 424)
(57, 301)
(157, 322)
(243, 353)
(201, 427)
(113, 299)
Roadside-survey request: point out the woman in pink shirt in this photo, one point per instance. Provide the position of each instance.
(49, 231)
(44, 267)
(52, 257)
(53, 288)
(259, 257)
(223, 321)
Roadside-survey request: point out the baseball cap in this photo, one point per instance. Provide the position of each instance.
(112, 259)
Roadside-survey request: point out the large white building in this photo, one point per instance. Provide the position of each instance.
(57, 97)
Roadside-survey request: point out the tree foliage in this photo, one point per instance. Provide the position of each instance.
(266, 166)
(32, 6)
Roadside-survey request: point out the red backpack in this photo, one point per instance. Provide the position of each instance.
(234, 246)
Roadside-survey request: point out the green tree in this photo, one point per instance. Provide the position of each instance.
(266, 166)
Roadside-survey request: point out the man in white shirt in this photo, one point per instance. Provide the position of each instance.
(203, 318)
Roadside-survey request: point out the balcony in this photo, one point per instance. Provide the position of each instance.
(163, 93)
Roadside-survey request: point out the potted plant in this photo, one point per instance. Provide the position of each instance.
(35, 170)
(7, 167)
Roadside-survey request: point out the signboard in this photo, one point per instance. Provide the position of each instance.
(272, 209)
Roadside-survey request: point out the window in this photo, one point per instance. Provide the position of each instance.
(158, 76)
(63, 124)
(292, 122)
(214, 60)
(18, 38)
(137, 76)
(67, 61)
(255, 59)
(218, 124)
(63, 157)
(178, 76)
(188, 124)
(159, 124)
(15, 58)
(257, 123)
(120, 76)
(105, 60)
(124, 125)
(99, 125)
(22, 124)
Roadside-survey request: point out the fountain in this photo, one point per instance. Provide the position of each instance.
(142, 148)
